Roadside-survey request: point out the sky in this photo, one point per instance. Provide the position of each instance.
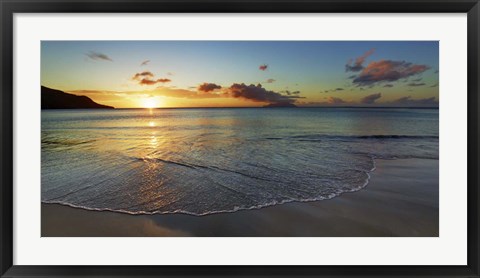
(131, 74)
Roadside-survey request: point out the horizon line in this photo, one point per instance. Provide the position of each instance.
(256, 107)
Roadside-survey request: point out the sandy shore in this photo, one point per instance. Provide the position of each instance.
(400, 200)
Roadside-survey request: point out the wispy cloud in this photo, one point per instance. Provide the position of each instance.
(290, 93)
(335, 100)
(370, 99)
(270, 80)
(413, 84)
(98, 56)
(144, 63)
(408, 101)
(357, 65)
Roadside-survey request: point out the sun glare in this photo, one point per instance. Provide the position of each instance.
(150, 103)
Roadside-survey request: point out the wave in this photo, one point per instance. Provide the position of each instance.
(234, 209)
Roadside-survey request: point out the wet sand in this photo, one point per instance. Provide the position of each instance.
(401, 199)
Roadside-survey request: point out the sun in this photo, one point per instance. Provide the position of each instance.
(150, 102)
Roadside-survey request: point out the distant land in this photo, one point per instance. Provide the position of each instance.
(56, 99)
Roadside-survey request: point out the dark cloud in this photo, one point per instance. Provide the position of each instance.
(436, 71)
(358, 64)
(270, 80)
(208, 87)
(409, 102)
(263, 67)
(144, 63)
(387, 71)
(339, 89)
(290, 93)
(98, 56)
(259, 94)
(434, 85)
(417, 80)
(352, 76)
(413, 84)
(370, 99)
(146, 78)
(147, 81)
(140, 75)
(388, 85)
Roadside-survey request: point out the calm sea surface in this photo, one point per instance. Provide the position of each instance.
(202, 161)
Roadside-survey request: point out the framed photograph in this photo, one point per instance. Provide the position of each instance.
(241, 138)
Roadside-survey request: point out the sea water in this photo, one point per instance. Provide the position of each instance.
(203, 161)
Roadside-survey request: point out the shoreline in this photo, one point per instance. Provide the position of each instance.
(399, 199)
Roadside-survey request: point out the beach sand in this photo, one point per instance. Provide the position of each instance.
(401, 199)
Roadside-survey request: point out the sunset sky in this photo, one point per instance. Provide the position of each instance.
(127, 74)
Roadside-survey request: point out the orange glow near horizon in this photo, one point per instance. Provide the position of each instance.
(142, 99)
(150, 102)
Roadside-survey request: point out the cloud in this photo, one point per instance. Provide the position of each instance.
(358, 64)
(259, 94)
(170, 73)
(289, 93)
(409, 102)
(208, 87)
(352, 76)
(387, 71)
(335, 100)
(436, 71)
(98, 56)
(270, 80)
(146, 81)
(263, 67)
(413, 84)
(144, 63)
(339, 89)
(141, 75)
(370, 99)
(388, 85)
(434, 85)
(146, 78)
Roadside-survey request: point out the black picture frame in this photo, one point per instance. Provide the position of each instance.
(10, 7)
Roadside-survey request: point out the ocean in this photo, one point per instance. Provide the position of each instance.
(210, 160)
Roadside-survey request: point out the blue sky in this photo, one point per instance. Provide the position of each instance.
(314, 70)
